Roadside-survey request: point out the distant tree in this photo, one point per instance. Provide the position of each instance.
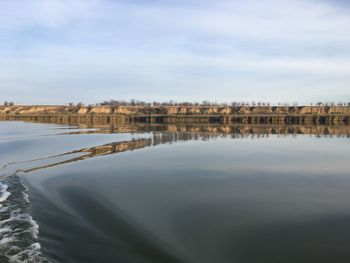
(112, 103)
(205, 103)
(71, 104)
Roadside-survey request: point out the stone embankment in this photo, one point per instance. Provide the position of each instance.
(186, 114)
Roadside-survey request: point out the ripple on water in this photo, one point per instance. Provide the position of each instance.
(18, 231)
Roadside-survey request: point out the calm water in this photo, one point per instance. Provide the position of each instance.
(80, 195)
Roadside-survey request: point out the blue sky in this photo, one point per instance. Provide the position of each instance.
(56, 51)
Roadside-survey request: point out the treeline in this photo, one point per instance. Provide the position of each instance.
(134, 102)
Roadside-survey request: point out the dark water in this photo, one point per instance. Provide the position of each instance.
(78, 195)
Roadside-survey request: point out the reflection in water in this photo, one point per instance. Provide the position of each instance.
(107, 149)
(182, 133)
(108, 124)
(109, 233)
(242, 200)
(233, 130)
(112, 148)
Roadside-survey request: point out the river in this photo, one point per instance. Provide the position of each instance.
(85, 194)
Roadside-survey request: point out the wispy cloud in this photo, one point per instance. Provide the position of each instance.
(97, 49)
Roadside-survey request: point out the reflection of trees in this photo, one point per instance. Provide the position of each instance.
(186, 133)
(87, 153)
(106, 124)
(169, 133)
(231, 131)
(157, 138)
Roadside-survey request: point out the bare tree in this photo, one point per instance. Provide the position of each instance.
(9, 103)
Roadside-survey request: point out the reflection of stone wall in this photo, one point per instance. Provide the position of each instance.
(247, 130)
(114, 119)
(171, 133)
(116, 124)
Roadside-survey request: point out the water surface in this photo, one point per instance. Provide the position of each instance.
(172, 195)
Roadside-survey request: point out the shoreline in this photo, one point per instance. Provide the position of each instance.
(315, 115)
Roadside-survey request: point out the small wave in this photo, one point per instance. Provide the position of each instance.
(18, 231)
(4, 194)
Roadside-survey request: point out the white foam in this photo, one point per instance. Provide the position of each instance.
(17, 226)
(3, 187)
(4, 194)
(5, 240)
(5, 230)
(26, 197)
(11, 235)
(31, 254)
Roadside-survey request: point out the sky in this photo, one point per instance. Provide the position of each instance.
(59, 51)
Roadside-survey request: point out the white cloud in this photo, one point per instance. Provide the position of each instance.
(17, 14)
(254, 49)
